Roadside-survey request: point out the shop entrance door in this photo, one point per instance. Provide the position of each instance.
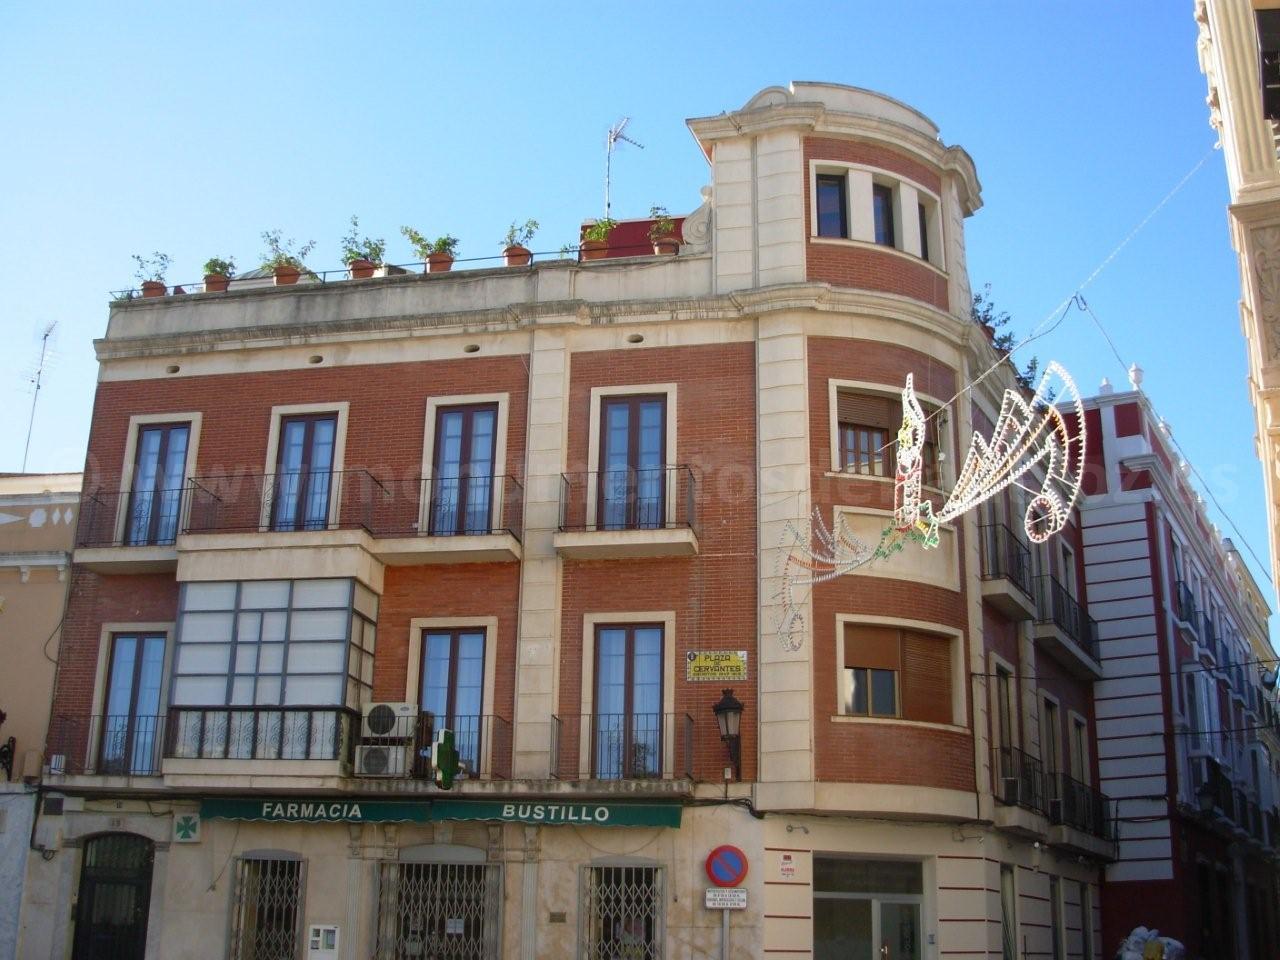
(115, 897)
(866, 909)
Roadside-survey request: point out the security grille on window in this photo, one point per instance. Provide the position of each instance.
(446, 910)
(620, 914)
(266, 908)
(867, 425)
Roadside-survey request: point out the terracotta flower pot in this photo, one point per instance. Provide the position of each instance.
(439, 262)
(153, 288)
(593, 249)
(362, 269)
(216, 282)
(666, 245)
(517, 256)
(286, 275)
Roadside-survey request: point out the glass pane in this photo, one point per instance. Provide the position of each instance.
(150, 677)
(831, 207)
(170, 496)
(120, 685)
(209, 596)
(435, 673)
(318, 625)
(366, 601)
(273, 625)
(320, 690)
(204, 658)
(205, 628)
(842, 929)
(246, 657)
(900, 931)
(248, 626)
(288, 481)
(199, 691)
(610, 722)
(884, 699)
(615, 480)
(847, 875)
(321, 593)
(316, 658)
(271, 658)
(242, 690)
(268, 690)
(259, 594)
(858, 690)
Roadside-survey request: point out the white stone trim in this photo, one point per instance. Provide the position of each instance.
(413, 672)
(958, 712)
(667, 618)
(342, 409)
(593, 437)
(434, 404)
(109, 630)
(195, 418)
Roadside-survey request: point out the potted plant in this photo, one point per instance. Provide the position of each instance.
(218, 274)
(595, 239)
(361, 255)
(282, 259)
(150, 273)
(437, 254)
(662, 232)
(514, 243)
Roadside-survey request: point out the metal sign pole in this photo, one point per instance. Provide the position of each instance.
(724, 935)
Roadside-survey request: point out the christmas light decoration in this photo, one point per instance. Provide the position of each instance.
(1030, 448)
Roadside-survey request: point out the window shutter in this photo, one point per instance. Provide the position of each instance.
(867, 410)
(926, 677)
(876, 647)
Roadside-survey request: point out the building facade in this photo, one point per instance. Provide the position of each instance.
(1186, 710)
(37, 529)
(546, 510)
(1239, 51)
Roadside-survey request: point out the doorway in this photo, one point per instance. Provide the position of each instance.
(115, 898)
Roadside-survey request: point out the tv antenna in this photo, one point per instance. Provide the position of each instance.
(615, 134)
(39, 375)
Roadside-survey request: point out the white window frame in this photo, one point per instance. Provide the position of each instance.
(498, 493)
(958, 681)
(413, 673)
(667, 618)
(598, 394)
(341, 409)
(836, 386)
(136, 422)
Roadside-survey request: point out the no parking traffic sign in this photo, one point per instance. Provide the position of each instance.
(726, 866)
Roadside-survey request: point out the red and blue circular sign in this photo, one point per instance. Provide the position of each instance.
(726, 866)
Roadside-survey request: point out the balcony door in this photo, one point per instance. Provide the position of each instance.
(453, 690)
(304, 472)
(633, 438)
(462, 488)
(156, 498)
(130, 737)
(627, 725)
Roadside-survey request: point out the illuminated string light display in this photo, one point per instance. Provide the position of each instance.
(1030, 448)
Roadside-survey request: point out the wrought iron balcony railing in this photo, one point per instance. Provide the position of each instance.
(110, 745)
(261, 733)
(1184, 604)
(284, 502)
(1078, 805)
(1054, 604)
(450, 507)
(130, 518)
(1005, 555)
(615, 746)
(644, 498)
(1020, 780)
(403, 750)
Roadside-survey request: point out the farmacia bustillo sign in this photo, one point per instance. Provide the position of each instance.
(282, 810)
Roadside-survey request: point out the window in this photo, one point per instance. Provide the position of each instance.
(890, 672)
(866, 426)
(1269, 50)
(1055, 915)
(633, 440)
(1004, 709)
(453, 689)
(865, 908)
(833, 206)
(439, 909)
(627, 725)
(270, 643)
(304, 472)
(155, 501)
(130, 735)
(1079, 750)
(1049, 733)
(882, 212)
(462, 486)
(621, 912)
(1068, 566)
(924, 231)
(1008, 913)
(266, 915)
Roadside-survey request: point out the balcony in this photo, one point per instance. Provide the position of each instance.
(113, 745)
(622, 747)
(1021, 806)
(1185, 614)
(403, 752)
(280, 503)
(449, 520)
(628, 513)
(1211, 788)
(1063, 628)
(1006, 572)
(1081, 817)
(122, 531)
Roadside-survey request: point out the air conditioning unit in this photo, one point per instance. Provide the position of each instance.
(389, 721)
(389, 760)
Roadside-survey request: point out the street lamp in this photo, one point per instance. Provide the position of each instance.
(729, 717)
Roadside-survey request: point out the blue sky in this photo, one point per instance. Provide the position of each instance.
(191, 130)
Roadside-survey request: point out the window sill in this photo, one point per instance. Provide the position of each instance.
(871, 476)
(884, 248)
(898, 722)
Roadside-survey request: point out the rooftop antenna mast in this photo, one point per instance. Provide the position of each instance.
(39, 375)
(615, 134)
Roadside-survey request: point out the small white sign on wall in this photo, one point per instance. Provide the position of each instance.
(726, 898)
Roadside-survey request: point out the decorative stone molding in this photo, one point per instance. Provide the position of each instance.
(696, 229)
(1266, 269)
